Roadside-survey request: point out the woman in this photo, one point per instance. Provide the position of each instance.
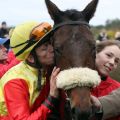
(25, 90)
(7, 58)
(107, 59)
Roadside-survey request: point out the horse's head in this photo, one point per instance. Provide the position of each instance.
(74, 44)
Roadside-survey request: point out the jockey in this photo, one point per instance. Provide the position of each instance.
(26, 93)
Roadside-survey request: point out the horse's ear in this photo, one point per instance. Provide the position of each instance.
(90, 9)
(53, 10)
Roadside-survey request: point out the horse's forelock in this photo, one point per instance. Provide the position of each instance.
(74, 14)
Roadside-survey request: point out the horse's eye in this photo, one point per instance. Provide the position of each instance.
(57, 50)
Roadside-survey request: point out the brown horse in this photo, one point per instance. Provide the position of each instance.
(73, 41)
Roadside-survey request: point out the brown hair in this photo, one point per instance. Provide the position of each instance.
(101, 45)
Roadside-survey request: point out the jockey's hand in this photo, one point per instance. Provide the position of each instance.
(53, 88)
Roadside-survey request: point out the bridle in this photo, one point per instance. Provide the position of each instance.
(70, 23)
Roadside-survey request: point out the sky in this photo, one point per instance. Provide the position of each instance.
(17, 11)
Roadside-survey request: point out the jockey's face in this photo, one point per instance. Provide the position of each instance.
(45, 54)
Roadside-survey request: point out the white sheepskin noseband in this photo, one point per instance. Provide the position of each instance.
(81, 77)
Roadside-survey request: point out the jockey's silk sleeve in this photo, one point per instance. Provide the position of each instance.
(17, 101)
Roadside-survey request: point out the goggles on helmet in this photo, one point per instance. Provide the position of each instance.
(36, 35)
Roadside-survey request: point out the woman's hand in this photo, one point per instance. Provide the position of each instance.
(95, 101)
(53, 88)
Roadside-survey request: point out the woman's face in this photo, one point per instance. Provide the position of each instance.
(45, 54)
(3, 53)
(107, 60)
